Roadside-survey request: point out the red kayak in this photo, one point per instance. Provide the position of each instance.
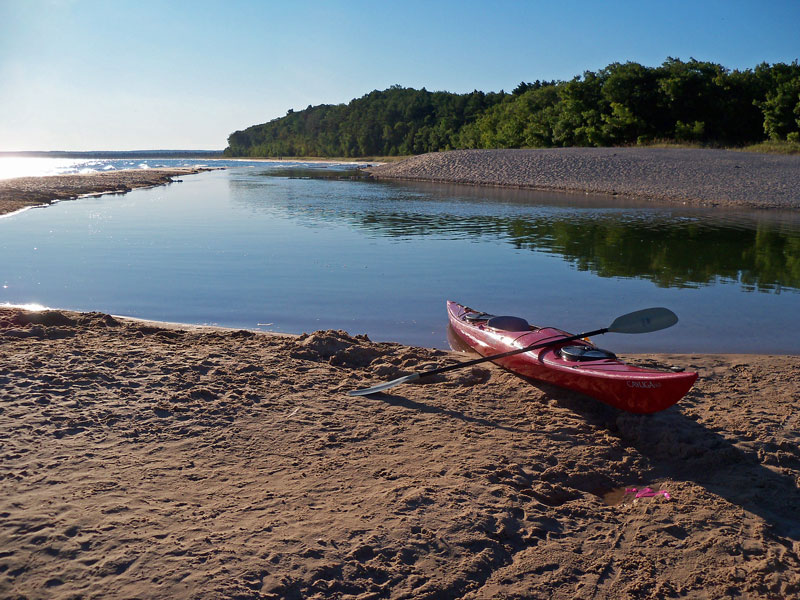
(576, 365)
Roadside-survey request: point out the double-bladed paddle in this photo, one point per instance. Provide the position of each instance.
(640, 321)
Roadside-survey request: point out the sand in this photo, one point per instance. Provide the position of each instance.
(23, 192)
(141, 460)
(678, 175)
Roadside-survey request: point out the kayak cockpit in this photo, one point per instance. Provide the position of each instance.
(585, 353)
(507, 323)
(503, 323)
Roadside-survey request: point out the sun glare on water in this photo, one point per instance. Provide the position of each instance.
(33, 306)
(13, 166)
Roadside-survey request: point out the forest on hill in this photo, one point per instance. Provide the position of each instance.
(622, 104)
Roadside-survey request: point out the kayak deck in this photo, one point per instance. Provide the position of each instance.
(576, 365)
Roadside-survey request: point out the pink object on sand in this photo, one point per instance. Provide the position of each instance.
(648, 493)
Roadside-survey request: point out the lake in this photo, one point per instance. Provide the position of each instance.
(300, 247)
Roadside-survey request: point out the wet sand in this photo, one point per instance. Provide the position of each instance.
(678, 175)
(24, 192)
(153, 461)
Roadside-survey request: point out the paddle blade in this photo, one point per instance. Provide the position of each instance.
(644, 321)
(384, 386)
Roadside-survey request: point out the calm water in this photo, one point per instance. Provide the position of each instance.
(276, 247)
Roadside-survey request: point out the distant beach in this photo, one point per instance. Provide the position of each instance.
(682, 175)
(677, 175)
(23, 192)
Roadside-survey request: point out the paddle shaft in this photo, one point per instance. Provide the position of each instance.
(483, 359)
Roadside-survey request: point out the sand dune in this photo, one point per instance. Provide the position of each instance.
(140, 460)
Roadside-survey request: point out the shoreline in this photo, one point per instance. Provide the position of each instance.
(159, 460)
(343, 161)
(21, 193)
(462, 351)
(685, 176)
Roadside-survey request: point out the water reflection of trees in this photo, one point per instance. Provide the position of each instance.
(760, 251)
(691, 254)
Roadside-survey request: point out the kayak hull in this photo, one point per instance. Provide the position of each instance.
(609, 380)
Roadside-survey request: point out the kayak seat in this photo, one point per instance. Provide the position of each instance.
(477, 316)
(509, 323)
(582, 353)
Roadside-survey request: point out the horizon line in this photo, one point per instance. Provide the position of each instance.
(78, 152)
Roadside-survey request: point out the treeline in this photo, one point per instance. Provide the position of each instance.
(621, 104)
(396, 121)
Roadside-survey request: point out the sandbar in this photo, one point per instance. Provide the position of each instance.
(23, 192)
(690, 176)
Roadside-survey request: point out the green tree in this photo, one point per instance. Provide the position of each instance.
(579, 113)
(637, 110)
(781, 109)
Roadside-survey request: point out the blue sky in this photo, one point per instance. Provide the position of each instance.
(143, 74)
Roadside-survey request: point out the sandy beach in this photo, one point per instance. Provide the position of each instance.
(155, 461)
(24, 192)
(681, 175)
